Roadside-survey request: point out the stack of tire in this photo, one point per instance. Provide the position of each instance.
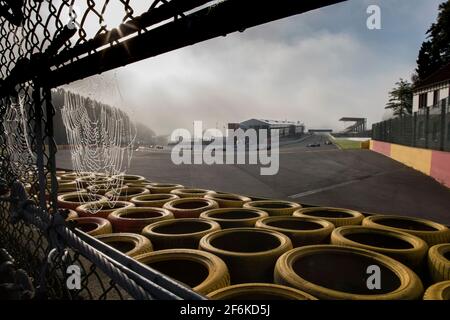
(227, 246)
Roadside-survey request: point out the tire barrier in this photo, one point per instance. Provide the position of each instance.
(153, 200)
(102, 208)
(101, 188)
(125, 194)
(227, 200)
(202, 271)
(401, 246)
(130, 244)
(135, 219)
(438, 291)
(93, 226)
(89, 181)
(73, 200)
(432, 232)
(139, 184)
(234, 217)
(337, 216)
(130, 178)
(340, 273)
(249, 253)
(301, 230)
(439, 262)
(190, 192)
(189, 207)
(179, 233)
(162, 187)
(64, 184)
(274, 207)
(259, 291)
(70, 189)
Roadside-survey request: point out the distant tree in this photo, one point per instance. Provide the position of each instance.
(401, 98)
(435, 51)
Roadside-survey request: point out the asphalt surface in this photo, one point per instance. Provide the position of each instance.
(355, 179)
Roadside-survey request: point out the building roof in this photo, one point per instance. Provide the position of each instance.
(352, 119)
(271, 123)
(439, 76)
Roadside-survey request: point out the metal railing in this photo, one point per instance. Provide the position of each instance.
(427, 128)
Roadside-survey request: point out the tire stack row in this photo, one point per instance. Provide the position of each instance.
(226, 246)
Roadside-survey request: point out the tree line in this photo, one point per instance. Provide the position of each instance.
(433, 55)
(144, 135)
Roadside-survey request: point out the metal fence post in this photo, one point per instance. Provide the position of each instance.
(427, 125)
(442, 135)
(414, 135)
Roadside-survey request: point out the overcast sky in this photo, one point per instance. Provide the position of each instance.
(315, 67)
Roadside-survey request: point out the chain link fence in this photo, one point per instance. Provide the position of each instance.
(427, 128)
(38, 37)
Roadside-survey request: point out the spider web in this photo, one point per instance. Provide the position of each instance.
(18, 144)
(101, 142)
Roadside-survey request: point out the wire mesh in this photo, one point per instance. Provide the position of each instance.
(32, 32)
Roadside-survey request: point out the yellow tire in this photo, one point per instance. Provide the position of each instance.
(401, 246)
(179, 233)
(190, 192)
(274, 207)
(438, 291)
(102, 209)
(429, 231)
(135, 219)
(125, 194)
(190, 207)
(153, 200)
(249, 253)
(259, 291)
(93, 226)
(162, 187)
(439, 262)
(202, 271)
(301, 230)
(337, 216)
(342, 273)
(228, 200)
(130, 244)
(234, 217)
(73, 200)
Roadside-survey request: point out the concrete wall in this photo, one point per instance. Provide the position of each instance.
(433, 163)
